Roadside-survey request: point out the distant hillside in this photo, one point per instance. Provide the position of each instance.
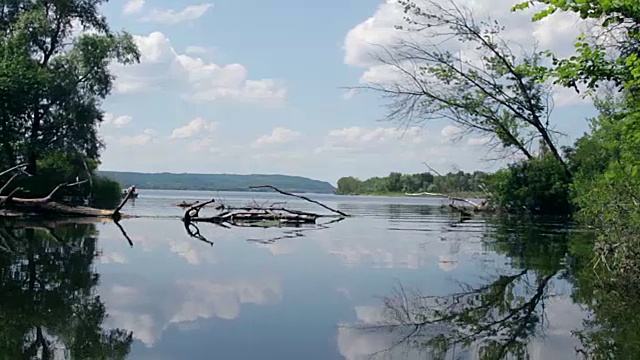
(217, 182)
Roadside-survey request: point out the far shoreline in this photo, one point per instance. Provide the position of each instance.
(468, 195)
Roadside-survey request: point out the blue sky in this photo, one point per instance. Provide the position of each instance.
(255, 87)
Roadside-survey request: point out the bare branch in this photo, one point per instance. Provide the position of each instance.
(21, 166)
(300, 197)
(492, 91)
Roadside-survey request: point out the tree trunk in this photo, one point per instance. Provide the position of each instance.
(32, 154)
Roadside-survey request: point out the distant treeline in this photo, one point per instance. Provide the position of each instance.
(413, 183)
(217, 182)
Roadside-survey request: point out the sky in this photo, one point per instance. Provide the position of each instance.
(259, 86)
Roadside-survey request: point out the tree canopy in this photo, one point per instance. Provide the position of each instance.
(490, 89)
(54, 75)
(455, 182)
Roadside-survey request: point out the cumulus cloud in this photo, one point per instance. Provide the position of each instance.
(369, 38)
(110, 119)
(196, 126)
(478, 141)
(198, 50)
(341, 148)
(170, 16)
(162, 67)
(451, 132)
(357, 138)
(133, 7)
(278, 135)
(146, 137)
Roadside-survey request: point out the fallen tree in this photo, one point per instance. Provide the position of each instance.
(12, 206)
(260, 215)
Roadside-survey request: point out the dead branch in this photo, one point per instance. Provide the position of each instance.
(26, 207)
(128, 196)
(194, 210)
(431, 169)
(300, 197)
(17, 167)
(9, 196)
(250, 215)
(4, 187)
(50, 196)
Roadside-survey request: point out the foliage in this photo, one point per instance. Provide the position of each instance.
(607, 165)
(490, 90)
(536, 186)
(615, 58)
(52, 83)
(607, 159)
(105, 193)
(414, 183)
(61, 167)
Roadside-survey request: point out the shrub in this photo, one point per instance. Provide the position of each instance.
(538, 186)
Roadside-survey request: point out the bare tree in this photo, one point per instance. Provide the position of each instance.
(483, 86)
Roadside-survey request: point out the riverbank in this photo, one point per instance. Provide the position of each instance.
(463, 194)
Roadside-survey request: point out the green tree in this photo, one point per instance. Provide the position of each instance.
(607, 193)
(61, 79)
(537, 186)
(504, 97)
(394, 182)
(348, 185)
(592, 65)
(52, 83)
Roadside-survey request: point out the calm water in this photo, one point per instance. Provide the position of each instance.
(350, 290)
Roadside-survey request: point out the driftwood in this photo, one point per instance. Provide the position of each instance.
(187, 204)
(301, 197)
(243, 215)
(258, 215)
(467, 208)
(11, 206)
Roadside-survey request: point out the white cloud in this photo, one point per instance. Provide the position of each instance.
(198, 50)
(450, 132)
(362, 138)
(170, 16)
(563, 96)
(196, 126)
(133, 7)
(113, 258)
(162, 68)
(340, 149)
(478, 141)
(110, 119)
(369, 38)
(146, 137)
(278, 135)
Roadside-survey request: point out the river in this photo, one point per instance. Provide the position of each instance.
(401, 279)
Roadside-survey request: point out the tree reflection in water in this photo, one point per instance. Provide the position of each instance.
(495, 320)
(48, 304)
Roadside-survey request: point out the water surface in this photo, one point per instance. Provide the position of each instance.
(351, 290)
